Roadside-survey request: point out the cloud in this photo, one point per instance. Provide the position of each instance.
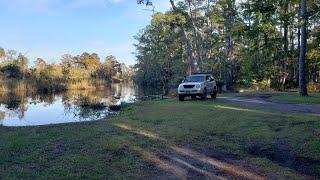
(56, 5)
(115, 1)
(51, 5)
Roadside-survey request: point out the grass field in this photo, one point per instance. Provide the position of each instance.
(147, 139)
(313, 98)
(291, 97)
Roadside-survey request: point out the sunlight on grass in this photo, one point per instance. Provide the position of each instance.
(172, 162)
(201, 171)
(223, 107)
(227, 167)
(235, 108)
(178, 172)
(139, 132)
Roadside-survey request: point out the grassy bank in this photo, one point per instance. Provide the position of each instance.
(162, 139)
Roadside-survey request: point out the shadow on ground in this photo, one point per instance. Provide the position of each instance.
(186, 163)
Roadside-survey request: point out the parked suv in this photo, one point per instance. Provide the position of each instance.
(198, 85)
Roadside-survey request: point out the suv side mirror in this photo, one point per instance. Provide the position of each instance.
(184, 79)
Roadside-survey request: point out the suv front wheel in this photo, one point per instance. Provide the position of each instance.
(181, 97)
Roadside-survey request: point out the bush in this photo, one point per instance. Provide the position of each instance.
(11, 70)
(220, 84)
(314, 87)
(262, 85)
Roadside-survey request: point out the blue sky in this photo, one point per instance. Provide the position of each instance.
(50, 28)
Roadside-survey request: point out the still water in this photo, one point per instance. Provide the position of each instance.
(22, 109)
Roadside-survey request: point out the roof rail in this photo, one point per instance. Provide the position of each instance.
(201, 73)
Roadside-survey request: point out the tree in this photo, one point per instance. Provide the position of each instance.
(23, 62)
(67, 60)
(192, 64)
(113, 63)
(107, 69)
(160, 54)
(12, 71)
(40, 63)
(252, 43)
(11, 55)
(182, 20)
(230, 15)
(87, 61)
(2, 53)
(302, 58)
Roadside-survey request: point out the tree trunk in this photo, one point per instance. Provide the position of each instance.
(286, 48)
(196, 38)
(191, 59)
(230, 44)
(302, 60)
(298, 58)
(292, 55)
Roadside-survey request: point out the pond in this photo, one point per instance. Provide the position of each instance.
(23, 109)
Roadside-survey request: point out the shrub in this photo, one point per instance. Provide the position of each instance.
(220, 84)
(314, 87)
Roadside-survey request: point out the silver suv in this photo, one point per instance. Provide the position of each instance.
(198, 85)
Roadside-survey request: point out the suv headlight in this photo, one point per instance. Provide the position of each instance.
(198, 86)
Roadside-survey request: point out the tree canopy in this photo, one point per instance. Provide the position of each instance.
(71, 70)
(253, 43)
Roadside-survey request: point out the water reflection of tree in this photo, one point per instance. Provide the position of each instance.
(93, 104)
(122, 90)
(2, 115)
(15, 102)
(12, 101)
(43, 98)
(84, 104)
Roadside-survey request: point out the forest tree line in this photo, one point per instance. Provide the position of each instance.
(249, 43)
(73, 72)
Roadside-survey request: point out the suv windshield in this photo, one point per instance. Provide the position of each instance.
(195, 79)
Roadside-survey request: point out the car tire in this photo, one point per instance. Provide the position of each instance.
(204, 94)
(214, 95)
(181, 97)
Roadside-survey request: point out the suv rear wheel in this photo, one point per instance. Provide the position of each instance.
(204, 94)
(214, 94)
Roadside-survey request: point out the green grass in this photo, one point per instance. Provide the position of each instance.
(129, 145)
(225, 95)
(313, 98)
